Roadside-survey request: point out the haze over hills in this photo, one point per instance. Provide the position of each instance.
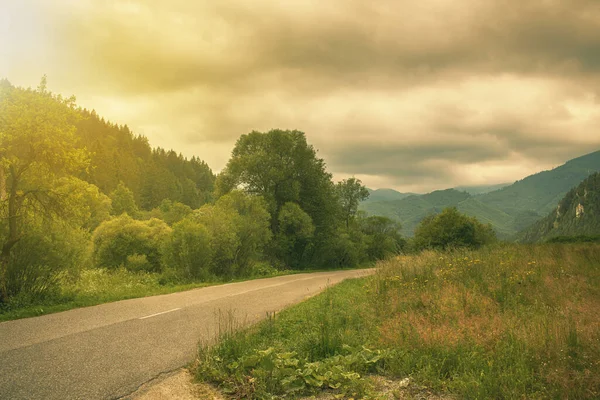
(481, 189)
(386, 195)
(577, 214)
(509, 209)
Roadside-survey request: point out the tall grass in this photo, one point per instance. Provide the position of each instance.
(509, 321)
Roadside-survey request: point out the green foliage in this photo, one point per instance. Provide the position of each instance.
(350, 192)
(37, 149)
(451, 229)
(224, 241)
(84, 204)
(577, 214)
(171, 211)
(382, 237)
(498, 322)
(575, 239)
(276, 359)
(283, 168)
(509, 209)
(189, 250)
(48, 253)
(252, 227)
(295, 229)
(151, 174)
(285, 374)
(123, 201)
(116, 240)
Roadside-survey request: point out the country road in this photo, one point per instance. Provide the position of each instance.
(108, 351)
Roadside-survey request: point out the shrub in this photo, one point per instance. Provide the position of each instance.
(116, 240)
(382, 237)
(295, 231)
(189, 250)
(38, 261)
(451, 229)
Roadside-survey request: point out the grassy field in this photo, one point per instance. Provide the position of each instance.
(503, 322)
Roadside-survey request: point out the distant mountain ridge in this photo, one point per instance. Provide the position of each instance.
(577, 214)
(387, 194)
(481, 189)
(510, 209)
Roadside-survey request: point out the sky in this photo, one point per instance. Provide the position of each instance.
(411, 95)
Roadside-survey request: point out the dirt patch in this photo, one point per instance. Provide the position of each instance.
(178, 385)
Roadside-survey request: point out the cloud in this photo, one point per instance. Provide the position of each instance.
(415, 94)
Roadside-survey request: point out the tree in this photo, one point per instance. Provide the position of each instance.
(85, 205)
(224, 241)
(171, 211)
(281, 167)
(189, 250)
(37, 148)
(295, 229)
(122, 241)
(350, 192)
(123, 201)
(382, 237)
(252, 223)
(451, 229)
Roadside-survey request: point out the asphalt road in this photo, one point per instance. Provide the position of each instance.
(108, 351)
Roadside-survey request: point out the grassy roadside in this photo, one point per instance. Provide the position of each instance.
(503, 322)
(98, 286)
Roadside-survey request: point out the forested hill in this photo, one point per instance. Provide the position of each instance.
(117, 155)
(80, 195)
(577, 214)
(542, 191)
(509, 209)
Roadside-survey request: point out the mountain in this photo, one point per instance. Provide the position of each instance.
(510, 209)
(577, 214)
(386, 195)
(481, 189)
(412, 209)
(542, 192)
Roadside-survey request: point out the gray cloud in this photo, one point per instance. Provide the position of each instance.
(410, 93)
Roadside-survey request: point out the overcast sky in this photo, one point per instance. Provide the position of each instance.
(412, 95)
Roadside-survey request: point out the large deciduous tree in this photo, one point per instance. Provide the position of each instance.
(350, 192)
(37, 148)
(282, 167)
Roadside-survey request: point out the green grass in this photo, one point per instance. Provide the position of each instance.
(94, 286)
(505, 322)
(98, 286)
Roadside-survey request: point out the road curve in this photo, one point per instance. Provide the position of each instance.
(108, 351)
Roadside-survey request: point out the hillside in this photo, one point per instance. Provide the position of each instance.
(509, 209)
(577, 214)
(153, 174)
(481, 189)
(412, 209)
(542, 191)
(386, 195)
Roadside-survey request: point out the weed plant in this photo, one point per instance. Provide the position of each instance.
(503, 322)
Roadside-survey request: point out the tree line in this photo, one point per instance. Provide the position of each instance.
(79, 192)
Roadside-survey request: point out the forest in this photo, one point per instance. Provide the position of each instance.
(79, 194)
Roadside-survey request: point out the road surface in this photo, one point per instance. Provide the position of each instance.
(108, 351)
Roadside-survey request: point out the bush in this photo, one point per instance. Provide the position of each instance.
(117, 240)
(295, 231)
(45, 254)
(382, 237)
(451, 229)
(189, 251)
